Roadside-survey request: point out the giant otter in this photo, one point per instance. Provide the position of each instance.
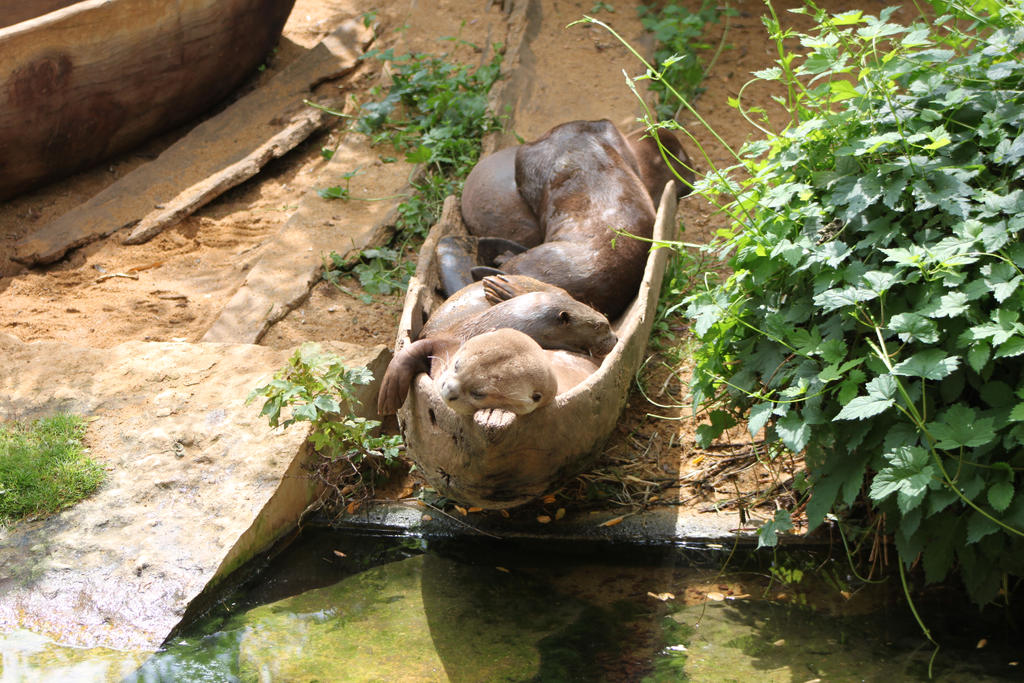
(581, 183)
(569, 332)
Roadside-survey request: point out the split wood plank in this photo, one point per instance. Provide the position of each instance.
(212, 157)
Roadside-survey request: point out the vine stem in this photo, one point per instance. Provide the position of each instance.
(917, 618)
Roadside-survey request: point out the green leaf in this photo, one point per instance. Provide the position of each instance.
(419, 155)
(849, 387)
(914, 327)
(720, 421)
(977, 355)
(960, 427)
(1000, 495)
(979, 526)
(931, 364)
(759, 415)
(306, 412)
(767, 535)
(327, 404)
(950, 305)
(833, 350)
(883, 386)
(1014, 346)
(831, 299)
(908, 473)
(863, 407)
(1017, 414)
(793, 431)
(937, 556)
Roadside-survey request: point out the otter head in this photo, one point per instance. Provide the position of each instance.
(503, 369)
(562, 322)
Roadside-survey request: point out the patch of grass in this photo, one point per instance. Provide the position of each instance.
(44, 467)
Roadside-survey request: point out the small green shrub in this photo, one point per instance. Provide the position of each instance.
(44, 467)
(873, 317)
(314, 387)
(679, 34)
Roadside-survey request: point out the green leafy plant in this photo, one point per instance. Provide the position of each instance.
(381, 271)
(679, 35)
(44, 467)
(435, 113)
(316, 387)
(872, 319)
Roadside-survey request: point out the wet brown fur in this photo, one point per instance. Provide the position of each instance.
(578, 183)
(549, 317)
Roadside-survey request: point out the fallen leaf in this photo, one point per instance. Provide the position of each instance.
(611, 522)
(780, 642)
(981, 643)
(426, 518)
(548, 499)
(462, 510)
(664, 597)
(504, 513)
(476, 509)
(696, 461)
(339, 553)
(717, 597)
(502, 569)
(543, 519)
(352, 507)
(560, 513)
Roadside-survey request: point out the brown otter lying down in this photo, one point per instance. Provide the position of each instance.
(560, 201)
(532, 345)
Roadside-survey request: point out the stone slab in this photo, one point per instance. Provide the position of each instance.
(197, 483)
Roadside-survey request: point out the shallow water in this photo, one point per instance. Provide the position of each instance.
(354, 606)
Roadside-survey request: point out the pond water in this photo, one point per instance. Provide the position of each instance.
(353, 605)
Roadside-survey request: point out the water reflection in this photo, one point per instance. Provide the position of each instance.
(351, 607)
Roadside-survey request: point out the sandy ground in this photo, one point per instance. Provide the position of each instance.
(179, 281)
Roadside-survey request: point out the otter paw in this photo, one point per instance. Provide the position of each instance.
(494, 419)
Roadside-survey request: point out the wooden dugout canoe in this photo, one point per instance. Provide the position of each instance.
(82, 81)
(540, 451)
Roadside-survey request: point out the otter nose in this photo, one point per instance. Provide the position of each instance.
(449, 389)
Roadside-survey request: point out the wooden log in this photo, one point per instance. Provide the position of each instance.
(16, 11)
(82, 83)
(224, 147)
(535, 453)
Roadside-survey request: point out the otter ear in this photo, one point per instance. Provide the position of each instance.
(564, 317)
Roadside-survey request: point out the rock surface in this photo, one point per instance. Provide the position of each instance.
(197, 483)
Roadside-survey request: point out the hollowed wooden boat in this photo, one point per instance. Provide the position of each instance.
(540, 451)
(83, 81)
